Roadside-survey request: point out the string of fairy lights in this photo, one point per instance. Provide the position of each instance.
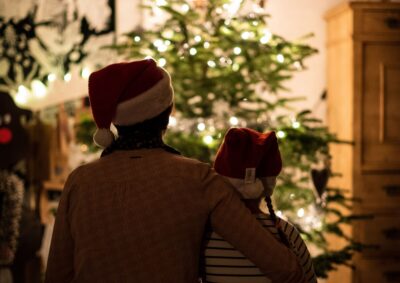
(37, 89)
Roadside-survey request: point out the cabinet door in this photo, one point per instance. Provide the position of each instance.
(378, 271)
(381, 106)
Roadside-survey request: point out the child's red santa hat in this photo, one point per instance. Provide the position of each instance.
(126, 94)
(250, 160)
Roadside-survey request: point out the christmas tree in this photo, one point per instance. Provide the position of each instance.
(227, 70)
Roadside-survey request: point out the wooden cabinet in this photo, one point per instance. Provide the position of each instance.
(363, 77)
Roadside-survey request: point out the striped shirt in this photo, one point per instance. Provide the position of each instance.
(225, 264)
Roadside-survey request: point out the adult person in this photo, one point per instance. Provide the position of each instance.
(138, 214)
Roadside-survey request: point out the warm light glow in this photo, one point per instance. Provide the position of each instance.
(193, 51)
(279, 213)
(297, 65)
(161, 3)
(185, 8)
(208, 139)
(234, 121)
(296, 124)
(158, 43)
(162, 48)
(172, 121)
(22, 95)
(266, 37)
(237, 50)
(300, 212)
(51, 77)
(67, 77)
(206, 44)
(233, 7)
(211, 64)
(84, 148)
(162, 62)
(85, 73)
(39, 89)
(137, 38)
(235, 67)
(281, 134)
(201, 126)
(280, 58)
(197, 38)
(245, 35)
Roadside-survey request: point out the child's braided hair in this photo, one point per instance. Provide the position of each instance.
(282, 235)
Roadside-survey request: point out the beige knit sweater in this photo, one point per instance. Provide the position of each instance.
(139, 216)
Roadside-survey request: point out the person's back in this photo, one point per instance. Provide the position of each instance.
(137, 210)
(139, 216)
(251, 161)
(225, 264)
(139, 213)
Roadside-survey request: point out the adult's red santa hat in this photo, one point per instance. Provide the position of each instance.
(126, 94)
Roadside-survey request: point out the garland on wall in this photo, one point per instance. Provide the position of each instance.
(11, 197)
(46, 40)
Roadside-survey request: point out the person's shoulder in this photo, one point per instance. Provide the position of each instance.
(79, 173)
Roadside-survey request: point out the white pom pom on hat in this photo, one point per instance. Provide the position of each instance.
(127, 93)
(103, 137)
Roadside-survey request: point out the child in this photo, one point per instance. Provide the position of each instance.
(251, 162)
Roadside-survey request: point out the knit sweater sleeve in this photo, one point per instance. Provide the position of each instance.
(60, 262)
(234, 222)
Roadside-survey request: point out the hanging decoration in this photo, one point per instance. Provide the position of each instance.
(13, 137)
(49, 41)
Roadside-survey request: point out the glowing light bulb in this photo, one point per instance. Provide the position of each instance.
(237, 50)
(211, 64)
(297, 65)
(85, 73)
(158, 43)
(279, 213)
(137, 38)
(245, 35)
(22, 95)
(300, 212)
(206, 44)
(51, 77)
(161, 3)
(234, 121)
(197, 38)
(296, 124)
(162, 62)
(281, 134)
(185, 8)
(162, 48)
(38, 88)
(208, 139)
(193, 51)
(67, 77)
(280, 58)
(172, 121)
(201, 126)
(266, 37)
(235, 67)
